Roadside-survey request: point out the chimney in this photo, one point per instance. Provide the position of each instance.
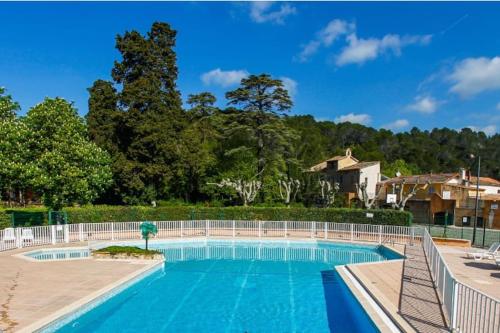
(463, 175)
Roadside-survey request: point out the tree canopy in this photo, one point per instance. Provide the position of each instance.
(67, 167)
(144, 146)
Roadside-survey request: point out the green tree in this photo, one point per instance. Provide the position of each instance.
(8, 107)
(152, 119)
(67, 167)
(401, 167)
(262, 101)
(199, 139)
(104, 118)
(14, 167)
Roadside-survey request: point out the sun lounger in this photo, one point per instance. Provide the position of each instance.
(497, 261)
(9, 235)
(27, 235)
(489, 254)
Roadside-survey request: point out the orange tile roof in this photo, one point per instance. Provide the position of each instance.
(485, 181)
(421, 179)
(359, 165)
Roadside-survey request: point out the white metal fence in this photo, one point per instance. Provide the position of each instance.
(12, 238)
(468, 310)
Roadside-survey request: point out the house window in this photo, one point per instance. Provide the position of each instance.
(431, 189)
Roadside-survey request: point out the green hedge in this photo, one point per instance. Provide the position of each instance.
(5, 221)
(136, 213)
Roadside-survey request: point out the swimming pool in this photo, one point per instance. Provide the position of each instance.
(58, 254)
(239, 286)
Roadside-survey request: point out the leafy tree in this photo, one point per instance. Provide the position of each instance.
(14, 167)
(401, 167)
(262, 101)
(149, 123)
(202, 105)
(8, 107)
(67, 167)
(104, 118)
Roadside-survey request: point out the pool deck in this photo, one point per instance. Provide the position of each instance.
(32, 292)
(483, 274)
(405, 290)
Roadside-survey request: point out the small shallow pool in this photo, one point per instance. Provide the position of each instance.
(238, 286)
(58, 254)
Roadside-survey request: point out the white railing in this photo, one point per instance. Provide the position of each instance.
(12, 238)
(468, 310)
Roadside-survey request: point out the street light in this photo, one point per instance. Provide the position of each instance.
(477, 201)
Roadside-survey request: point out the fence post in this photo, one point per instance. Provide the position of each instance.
(207, 227)
(286, 228)
(182, 228)
(53, 233)
(326, 230)
(19, 242)
(352, 232)
(66, 233)
(80, 232)
(454, 303)
(260, 228)
(234, 228)
(112, 231)
(380, 234)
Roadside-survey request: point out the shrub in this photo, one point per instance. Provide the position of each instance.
(89, 214)
(126, 250)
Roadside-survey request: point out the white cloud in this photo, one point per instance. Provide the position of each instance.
(325, 37)
(362, 118)
(262, 11)
(360, 50)
(290, 85)
(223, 78)
(333, 30)
(475, 75)
(424, 104)
(488, 130)
(397, 124)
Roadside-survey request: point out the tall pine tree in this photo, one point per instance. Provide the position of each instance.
(150, 116)
(262, 101)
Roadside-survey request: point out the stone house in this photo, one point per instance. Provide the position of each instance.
(348, 172)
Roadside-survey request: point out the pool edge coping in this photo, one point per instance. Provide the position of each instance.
(370, 305)
(93, 298)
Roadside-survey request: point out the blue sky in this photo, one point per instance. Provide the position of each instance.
(392, 65)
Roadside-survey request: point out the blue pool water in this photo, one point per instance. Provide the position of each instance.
(225, 286)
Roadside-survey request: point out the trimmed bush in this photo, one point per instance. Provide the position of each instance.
(91, 214)
(126, 250)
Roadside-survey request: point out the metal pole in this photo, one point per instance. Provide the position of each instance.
(477, 200)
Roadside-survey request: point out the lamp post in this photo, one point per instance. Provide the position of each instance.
(477, 201)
